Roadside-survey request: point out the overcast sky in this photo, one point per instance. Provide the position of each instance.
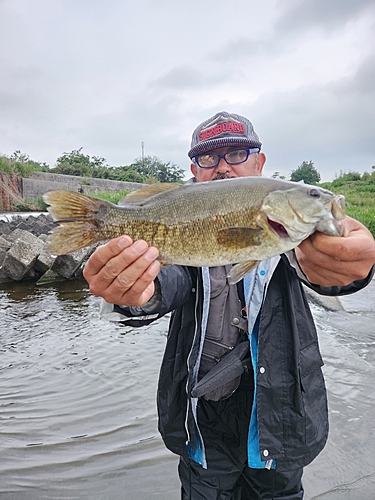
(107, 75)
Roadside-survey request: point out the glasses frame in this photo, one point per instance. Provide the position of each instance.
(219, 157)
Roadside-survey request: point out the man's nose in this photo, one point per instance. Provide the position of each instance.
(223, 166)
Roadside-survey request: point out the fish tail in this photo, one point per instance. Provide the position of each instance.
(78, 217)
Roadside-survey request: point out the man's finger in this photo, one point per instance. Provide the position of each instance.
(143, 289)
(141, 268)
(130, 287)
(342, 248)
(105, 253)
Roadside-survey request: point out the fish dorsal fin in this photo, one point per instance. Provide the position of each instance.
(240, 270)
(143, 195)
(239, 237)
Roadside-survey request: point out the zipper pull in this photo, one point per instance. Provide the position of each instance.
(269, 464)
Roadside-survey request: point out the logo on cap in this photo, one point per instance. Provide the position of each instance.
(229, 127)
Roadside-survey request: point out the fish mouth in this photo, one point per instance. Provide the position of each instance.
(278, 228)
(340, 226)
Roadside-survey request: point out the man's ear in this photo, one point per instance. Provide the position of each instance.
(261, 161)
(193, 169)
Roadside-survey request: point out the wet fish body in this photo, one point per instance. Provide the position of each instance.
(202, 224)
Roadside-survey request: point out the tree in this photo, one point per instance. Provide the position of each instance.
(153, 168)
(127, 173)
(79, 164)
(147, 170)
(276, 175)
(306, 172)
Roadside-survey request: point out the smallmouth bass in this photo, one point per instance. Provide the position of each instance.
(233, 221)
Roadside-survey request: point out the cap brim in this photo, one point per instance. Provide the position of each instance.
(222, 142)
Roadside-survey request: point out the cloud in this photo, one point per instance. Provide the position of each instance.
(299, 15)
(246, 48)
(181, 78)
(77, 74)
(331, 124)
(362, 85)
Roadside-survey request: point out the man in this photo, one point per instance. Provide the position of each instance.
(248, 434)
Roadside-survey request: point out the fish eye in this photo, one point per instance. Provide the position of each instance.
(314, 193)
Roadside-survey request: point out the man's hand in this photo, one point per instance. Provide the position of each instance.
(123, 272)
(331, 260)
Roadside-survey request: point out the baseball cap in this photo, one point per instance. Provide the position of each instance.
(223, 130)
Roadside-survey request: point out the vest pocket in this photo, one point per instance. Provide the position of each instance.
(212, 353)
(218, 301)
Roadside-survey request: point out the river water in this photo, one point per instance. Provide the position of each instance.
(77, 400)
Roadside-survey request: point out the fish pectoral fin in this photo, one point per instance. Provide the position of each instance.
(239, 237)
(143, 195)
(240, 270)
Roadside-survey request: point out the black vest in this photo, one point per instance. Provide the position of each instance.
(226, 326)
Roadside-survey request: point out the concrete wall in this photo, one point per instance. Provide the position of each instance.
(32, 188)
(42, 182)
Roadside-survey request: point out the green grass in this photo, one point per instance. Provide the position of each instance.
(111, 196)
(25, 205)
(359, 199)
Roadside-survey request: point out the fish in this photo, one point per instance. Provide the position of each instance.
(238, 221)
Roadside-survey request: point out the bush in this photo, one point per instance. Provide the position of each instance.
(306, 172)
(20, 164)
(111, 196)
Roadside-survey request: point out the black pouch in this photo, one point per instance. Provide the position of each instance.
(224, 378)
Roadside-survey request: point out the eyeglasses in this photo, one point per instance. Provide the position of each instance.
(232, 158)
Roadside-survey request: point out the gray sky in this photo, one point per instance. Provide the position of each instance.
(107, 75)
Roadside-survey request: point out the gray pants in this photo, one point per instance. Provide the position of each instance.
(224, 426)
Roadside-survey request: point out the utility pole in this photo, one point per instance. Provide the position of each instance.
(143, 151)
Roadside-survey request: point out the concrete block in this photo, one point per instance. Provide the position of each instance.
(49, 276)
(45, 223)
(44, 228)
(21, 257)
(23, 225)
(30, 219)
(45, 260)
(4, 243)
(4, 227)
(3, 277)
(31, 275)
(66, 265)
(45, 218)
(33, 225)
(2, 255)
(17, 234)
